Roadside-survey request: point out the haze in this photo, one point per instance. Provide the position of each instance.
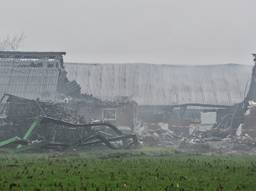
(154, 31)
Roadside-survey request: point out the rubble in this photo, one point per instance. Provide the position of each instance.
(157, 134)
(219, 140)
(45, 125)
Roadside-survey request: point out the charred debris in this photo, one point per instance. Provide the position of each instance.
(41, 109)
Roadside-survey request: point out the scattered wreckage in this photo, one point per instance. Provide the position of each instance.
(31, 124)
(38, 125)
(234, 130)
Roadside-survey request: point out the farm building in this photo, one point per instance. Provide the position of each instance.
(157, 88)
(153, 87)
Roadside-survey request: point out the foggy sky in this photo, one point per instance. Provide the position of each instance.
(155, 31)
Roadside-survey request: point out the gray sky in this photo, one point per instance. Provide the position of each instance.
(155, 31)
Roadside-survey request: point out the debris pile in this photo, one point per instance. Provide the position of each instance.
(216, 140)
(45, 125)
(157, 134)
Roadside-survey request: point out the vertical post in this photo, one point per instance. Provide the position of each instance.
(251, 95)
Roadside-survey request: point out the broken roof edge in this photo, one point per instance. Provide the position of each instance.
(30, 54)
(68, 63)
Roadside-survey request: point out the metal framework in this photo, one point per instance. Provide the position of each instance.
(47, 132)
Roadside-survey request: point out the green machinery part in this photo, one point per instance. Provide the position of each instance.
(34, 125)
(24, 140)
(10, 141)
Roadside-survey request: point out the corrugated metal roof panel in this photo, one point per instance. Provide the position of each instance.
(150, 84)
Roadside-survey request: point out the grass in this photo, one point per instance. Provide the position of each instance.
(176, 172)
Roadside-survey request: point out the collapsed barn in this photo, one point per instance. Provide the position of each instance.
(80, 104)
(40, 104)
(171, 99)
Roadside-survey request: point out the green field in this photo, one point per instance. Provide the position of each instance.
(122, 171)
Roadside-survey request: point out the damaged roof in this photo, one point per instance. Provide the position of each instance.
(152, 84)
